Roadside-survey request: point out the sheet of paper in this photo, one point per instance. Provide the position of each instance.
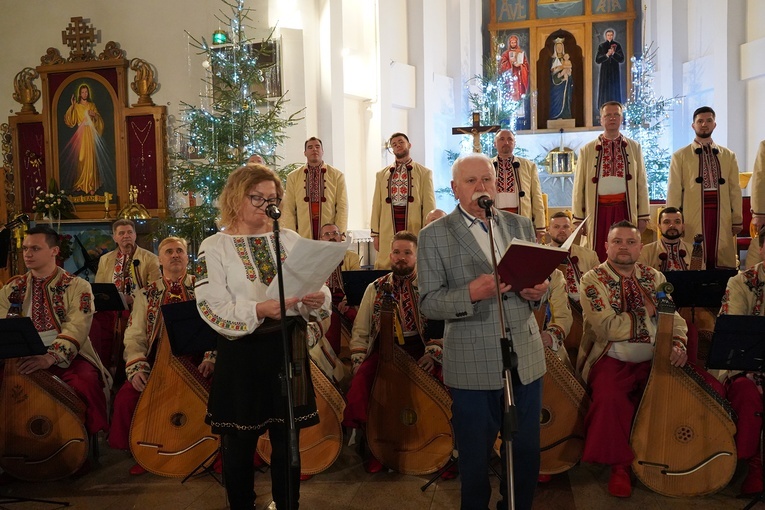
(308, 266)
(567, 244)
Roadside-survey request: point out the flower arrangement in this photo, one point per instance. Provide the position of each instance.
(65, 248)
(53, 203)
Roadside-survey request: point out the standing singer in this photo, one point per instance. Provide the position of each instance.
(457, 285)
(247, 399)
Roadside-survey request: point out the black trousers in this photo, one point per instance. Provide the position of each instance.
(239, 472)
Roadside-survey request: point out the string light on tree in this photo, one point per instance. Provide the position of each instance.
(646, 118)
(232, 122)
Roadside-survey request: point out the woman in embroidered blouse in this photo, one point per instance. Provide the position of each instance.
(246, 398)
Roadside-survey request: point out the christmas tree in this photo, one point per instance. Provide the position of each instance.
(646, 119)
(236, 120)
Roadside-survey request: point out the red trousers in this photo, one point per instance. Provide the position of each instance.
(609, 212)
(355, 414)
(616, 387)
(85, 380)
(746, 400)
(125, 403)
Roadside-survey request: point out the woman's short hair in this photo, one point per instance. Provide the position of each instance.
(238, 184)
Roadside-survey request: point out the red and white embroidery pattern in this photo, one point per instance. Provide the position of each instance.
(314, 184)
(612, 161)
(710, 168)
(505, 176)
(399, 185)
(42, 315)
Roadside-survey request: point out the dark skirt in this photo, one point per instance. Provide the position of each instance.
(246, 394)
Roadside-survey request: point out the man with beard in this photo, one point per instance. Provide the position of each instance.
(130, 268)
(671, 252)
(703, 183)
(411, 324)
(315, 194)
(518, 187)
(610, 182)
(620, 325)
(580, 259)
(402, 198)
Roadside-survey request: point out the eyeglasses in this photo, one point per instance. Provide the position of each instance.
(259, 201)
(333, 233)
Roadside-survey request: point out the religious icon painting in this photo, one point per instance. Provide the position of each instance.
(85, 122)
(609, 70)
(514, 71)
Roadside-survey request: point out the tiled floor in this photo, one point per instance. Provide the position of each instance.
(345, 486)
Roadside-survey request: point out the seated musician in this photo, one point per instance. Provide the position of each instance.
(351, 262)
(130, 268)
(413, 338)
(745, 295)
(620, 325)
(558, 319)
(61, 307)
(142, 333)
(670, 252)
(579, 261)
(557, 325)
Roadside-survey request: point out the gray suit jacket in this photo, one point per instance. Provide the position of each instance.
(448, 259)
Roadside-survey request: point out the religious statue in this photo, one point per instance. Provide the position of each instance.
(562, 82)
(610, 57)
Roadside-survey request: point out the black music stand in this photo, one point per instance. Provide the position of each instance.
(737, 344)
(107, 298)
(355, 283)
(190, 334)
(187, 331)
(20, 338)
(702, 289)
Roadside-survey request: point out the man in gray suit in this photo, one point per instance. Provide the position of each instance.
(457, 285)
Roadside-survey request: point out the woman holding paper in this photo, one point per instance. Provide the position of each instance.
(236, 267)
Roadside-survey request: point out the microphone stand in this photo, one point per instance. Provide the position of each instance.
(293, 452)
(509, 363)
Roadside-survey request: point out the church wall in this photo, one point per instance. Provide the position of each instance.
(754, 75)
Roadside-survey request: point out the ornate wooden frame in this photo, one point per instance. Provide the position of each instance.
(507, 16)
(137, 133)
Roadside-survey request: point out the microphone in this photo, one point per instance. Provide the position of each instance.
(137, 263)
(273, 212)
(484, 202)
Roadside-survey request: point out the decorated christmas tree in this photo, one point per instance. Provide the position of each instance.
(646, 119)
(236, 118)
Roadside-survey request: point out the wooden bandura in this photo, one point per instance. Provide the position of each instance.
(409, 418)
(43, 436)
(564, 407)
(168, 434)
(320, 444)
(683, 431)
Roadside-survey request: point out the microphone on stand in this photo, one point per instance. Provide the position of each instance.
(484, 202)
(273, 212)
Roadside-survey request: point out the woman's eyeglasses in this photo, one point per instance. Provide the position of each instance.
(258, 201)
